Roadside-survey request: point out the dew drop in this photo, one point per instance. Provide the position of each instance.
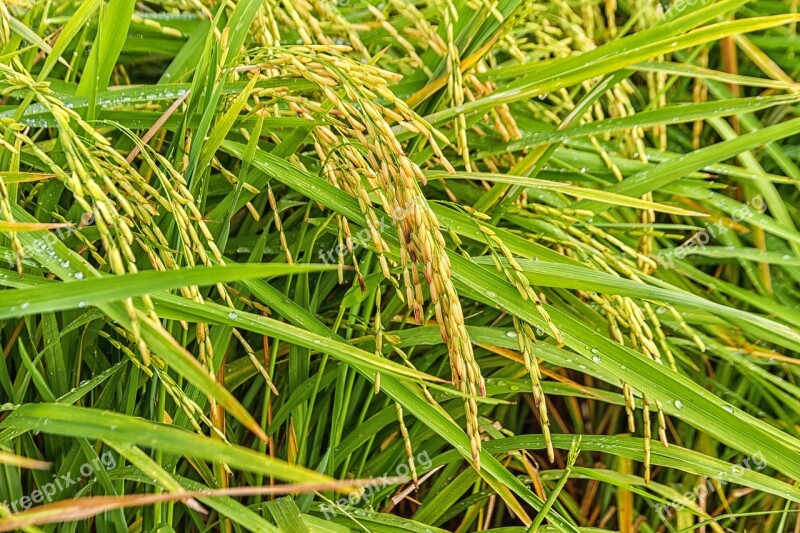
(678, 404)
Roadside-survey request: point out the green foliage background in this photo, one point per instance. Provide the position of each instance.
(538, 259)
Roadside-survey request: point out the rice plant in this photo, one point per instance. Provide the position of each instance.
(425, 266)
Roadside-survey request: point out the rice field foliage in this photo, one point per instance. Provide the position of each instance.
(425, 266)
